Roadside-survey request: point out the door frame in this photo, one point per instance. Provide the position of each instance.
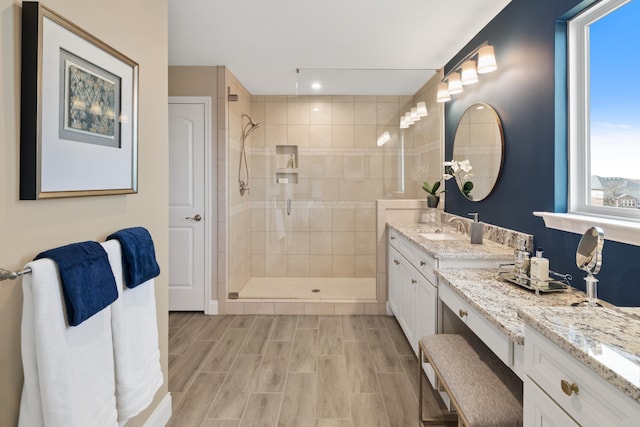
(209, 214)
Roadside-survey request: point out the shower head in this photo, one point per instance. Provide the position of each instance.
(249, 127)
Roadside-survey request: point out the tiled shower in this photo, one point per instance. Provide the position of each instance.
(315, 175)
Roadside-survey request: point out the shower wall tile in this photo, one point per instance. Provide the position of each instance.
(365, 136)
(311, 308)
(365, 243)
(298, 243)
(234, 307)
(365, 220)
(259, 308)
(353, 167)
(258, 265)
(276, 243)
(276, 265)
(258, 219)
(298, 112)
(342, 136)
(320, 243)
(320, 219)
(320, 136)
(343, 219)
(275, 113)
(343, 242)
(320, 111)
(343, 113)
(275, 135)
(313, 167)
(334, 166)
(344, 265)
(299, 135)
(298, 266)
(258, 242)
(365, 111)
(365, 265)
(321, 266)
(343, 98)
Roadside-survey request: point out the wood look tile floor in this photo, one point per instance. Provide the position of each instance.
(292, 371)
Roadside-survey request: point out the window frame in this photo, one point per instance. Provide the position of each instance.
(579, 125)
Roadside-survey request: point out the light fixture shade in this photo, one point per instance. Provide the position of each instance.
(443, 93)
(403, 123)
(486, 60)
(414, 114)
(407, 117)
(455, 85)
(469, 75)
(422, 109)
(383, 138)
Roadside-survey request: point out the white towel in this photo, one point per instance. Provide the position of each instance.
(135, 341)
(68, 371)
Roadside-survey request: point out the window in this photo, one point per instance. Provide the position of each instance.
(604, 110)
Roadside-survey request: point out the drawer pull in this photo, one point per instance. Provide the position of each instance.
(462, 313)
(422, 263)
(569, 389)
(396, 262)
(414, 281)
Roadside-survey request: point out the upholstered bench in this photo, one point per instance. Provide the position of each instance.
(483, 391)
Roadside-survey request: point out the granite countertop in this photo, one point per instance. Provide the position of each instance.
(498, 301)
(606, 339)
(456, 249)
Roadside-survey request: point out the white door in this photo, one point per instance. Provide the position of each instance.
(188, 127)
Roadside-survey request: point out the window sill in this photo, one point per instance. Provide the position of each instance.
(615, 230)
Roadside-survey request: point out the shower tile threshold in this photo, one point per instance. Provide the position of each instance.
(334, 289)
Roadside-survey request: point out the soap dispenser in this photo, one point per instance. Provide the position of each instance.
(540, 270)
(475, 231)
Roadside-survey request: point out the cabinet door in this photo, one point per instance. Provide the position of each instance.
(427, 309)
(394, 280)
(410, 277)
(541, 411)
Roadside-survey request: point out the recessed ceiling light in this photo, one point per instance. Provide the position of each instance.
(316, 85)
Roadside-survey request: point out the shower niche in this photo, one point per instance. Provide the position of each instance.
(286, 164)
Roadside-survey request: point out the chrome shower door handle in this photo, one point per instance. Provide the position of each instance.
(196, 218)
(288, 206)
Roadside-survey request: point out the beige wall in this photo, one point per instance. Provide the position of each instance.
(27, 227)
(203, 81)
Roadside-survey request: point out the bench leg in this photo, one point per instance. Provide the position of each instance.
(443, 419)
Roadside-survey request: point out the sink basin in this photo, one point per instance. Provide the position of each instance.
(443, 236)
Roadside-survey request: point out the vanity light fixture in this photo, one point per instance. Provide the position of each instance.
(421, 108)
(452, 81)
(384, 138)
(455, 84)
(413, 115)
(469, 74)
(443, 92)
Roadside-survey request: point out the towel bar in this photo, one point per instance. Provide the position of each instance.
(11, 275)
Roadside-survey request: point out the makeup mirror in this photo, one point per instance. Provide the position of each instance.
(589, 259)
(479, 139)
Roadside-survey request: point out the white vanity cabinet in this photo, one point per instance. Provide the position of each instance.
(560, 390)
(412, 296)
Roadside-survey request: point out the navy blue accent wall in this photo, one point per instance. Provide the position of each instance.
(528, 40)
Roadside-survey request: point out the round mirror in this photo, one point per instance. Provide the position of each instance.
(478, 140)
(589, 253)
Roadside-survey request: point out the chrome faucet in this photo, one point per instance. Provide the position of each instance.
(461, 226)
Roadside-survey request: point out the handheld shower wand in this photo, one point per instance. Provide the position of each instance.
(246, 130)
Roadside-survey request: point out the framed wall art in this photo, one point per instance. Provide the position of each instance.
(79, 111)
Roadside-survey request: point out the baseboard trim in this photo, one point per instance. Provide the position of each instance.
(389, 311)
(160, 417)
(213, 307)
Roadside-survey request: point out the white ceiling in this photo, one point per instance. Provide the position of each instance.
(354, 47)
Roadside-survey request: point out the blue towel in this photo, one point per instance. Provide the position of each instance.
(88, 284)
(138, 255)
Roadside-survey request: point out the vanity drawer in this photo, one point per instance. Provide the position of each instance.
(596, 403)
(498, 342)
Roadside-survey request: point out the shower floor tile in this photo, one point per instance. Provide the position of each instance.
(326, 288)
